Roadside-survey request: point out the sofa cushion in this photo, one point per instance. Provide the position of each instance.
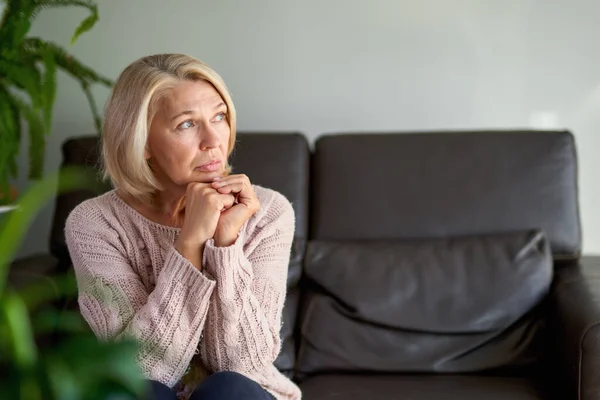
(399, 387)
(450, 304)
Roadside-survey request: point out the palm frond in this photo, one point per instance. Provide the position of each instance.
(64, 60)
(24, 76)
(37, 140)
(10, 135)
(24, 349)
(49, 87)
(16, 22)
(85, 75)
(9, 142)
(85, 25)
(41, 4)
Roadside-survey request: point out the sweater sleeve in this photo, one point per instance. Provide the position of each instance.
(242, 331)
(167, 322)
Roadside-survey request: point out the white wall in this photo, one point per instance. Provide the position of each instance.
(336, 65)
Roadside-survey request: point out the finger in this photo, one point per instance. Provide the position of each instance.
(196, 186)
(227, 201)
(231, 188)
(230, 179)
(235, 184)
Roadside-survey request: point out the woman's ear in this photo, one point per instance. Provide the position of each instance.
(146, 153)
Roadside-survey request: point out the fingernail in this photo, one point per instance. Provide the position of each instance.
(216, 178)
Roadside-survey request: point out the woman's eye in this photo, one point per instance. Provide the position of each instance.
(185, 125)
(220, 117)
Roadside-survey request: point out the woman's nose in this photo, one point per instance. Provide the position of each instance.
(209, 139)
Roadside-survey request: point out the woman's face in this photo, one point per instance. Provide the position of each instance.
(189, 135)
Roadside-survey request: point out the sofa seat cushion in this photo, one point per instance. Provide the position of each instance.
(462, 304)
(420, 387)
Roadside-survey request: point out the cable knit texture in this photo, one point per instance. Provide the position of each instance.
(132, 282)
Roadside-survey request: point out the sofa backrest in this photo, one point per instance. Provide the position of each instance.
(281, 162)
(421, 185)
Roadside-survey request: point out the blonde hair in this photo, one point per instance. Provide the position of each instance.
(130, 109)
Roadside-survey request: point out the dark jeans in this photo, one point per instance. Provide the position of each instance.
(220, 386)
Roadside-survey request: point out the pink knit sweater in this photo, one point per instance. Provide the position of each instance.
(132, 282)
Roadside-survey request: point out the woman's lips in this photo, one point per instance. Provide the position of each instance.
(210, 166)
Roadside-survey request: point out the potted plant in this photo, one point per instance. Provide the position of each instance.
(28, 84)
(73, 364)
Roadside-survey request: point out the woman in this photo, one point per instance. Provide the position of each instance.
(184, 257)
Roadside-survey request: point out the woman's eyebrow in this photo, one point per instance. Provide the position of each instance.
(190, 112)
(186, 112)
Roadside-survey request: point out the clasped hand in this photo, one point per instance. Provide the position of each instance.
(217, 210)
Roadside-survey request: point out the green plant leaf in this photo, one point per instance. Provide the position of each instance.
(66, 61)
(49, 87)
(8, 387)
(16, 321)
(56, 321)
(17, 222)
(22, 384)
(21, 27)
(42, 291)
(85, 25)
(63, 383)
(24, 76)
(74, 67)
(7, 121)
(9, 139)
(37, 140)
(114, 370)
(10, 136)
(21, 60)
(15, 24)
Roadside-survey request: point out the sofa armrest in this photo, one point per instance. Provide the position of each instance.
(26, 270)
(576, 306)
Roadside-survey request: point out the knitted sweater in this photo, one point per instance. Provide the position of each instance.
(133, 283)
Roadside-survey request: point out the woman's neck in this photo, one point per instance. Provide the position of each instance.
(164, 208)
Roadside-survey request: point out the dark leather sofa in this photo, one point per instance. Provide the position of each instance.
(438, 265)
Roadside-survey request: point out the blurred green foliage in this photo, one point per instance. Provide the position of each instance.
(74, 365)
(28, 68)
